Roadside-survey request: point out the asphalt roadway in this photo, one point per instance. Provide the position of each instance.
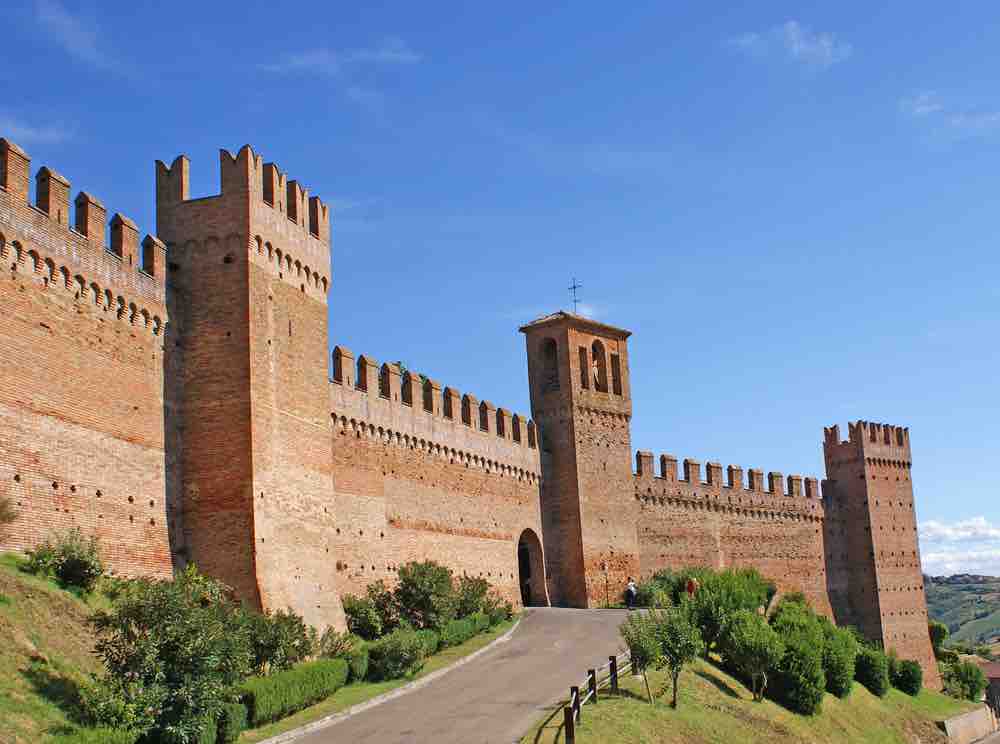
(497, 697)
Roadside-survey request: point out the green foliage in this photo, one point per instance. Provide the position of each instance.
(799, 681)
(363, 618)
(480, 620)
(285, 692)
(353, 649)
(70, 558)
(908, 677)
(172, 650)
(232, 722)
(939, 634)
(752, 648)
(872, 670)
(471, 595)
(101, 735)
(652, 594)
(680, 642)
(840, 651)
(278, 640)
(964, 680)
(457, 631)
(722, 594)
(425, 596)
(394, 655)
(384, 602)
(639, 633)
(497, 608)
(430, 640)
(115, 703)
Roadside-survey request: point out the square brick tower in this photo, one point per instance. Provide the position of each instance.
(247, 382)
(873, 558)
(582, 404)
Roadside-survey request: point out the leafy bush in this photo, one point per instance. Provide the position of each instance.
(353, 649)
(471, 595)
(363, 618)
(384, 602)
(279, 640)
(939, 634)
(181, 645)
(232, 722)
(680, 642)
(425, 596)
(752, 648)
(395, 655)
(285, 692)
(457, 631)
(908, 677)
(118, 704)
(70, 558)
(720, 595)
(429, 640)
(209, 731)
(872, 670)
(799, 681)
(964, 680)
(840, 651)
(639, 633)
(101, 735)
(652, 594)
(497, 608)
(480, 621)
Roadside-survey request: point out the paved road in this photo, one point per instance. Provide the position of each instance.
(495, 698)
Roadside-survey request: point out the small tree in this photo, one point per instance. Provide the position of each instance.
(964, 680)
(939, 634)
(680, 643)
(471, 595)
(752, 648)
(909, 677)
(639, 634)
(425, 596)
(872, 670)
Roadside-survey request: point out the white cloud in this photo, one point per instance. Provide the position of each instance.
(75, 35)
(27, 134)
(921, 104)
(928, 106)
(797, 42)
(965, 546)
(391, 51)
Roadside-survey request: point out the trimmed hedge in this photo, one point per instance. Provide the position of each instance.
(908, 677)
(96, 736)
(872, 670)
(457, 631)
(395, 655)
(232, 722)
(270, 698)
(430, 641)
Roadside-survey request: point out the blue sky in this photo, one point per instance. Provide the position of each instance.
(792, 206)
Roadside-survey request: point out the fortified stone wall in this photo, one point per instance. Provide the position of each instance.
(688, 522)
(425, 473)
(81, 394)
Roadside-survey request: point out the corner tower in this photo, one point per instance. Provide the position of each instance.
(250, 271)
(874, 574)
(582, 404)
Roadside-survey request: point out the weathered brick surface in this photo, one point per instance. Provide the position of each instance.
(194, 420)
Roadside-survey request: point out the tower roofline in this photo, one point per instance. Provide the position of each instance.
(561, 317)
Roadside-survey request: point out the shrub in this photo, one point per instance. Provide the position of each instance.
(908, 677)
(471, 595)
(429, 640)
(680, 643)
(799, 681)
(939, 634)
(840, 652)
(117, 704)
(70, 558)
(279, 640)
(425, 596)
(652, 594)
(480, 621)
(285, 692)
(752, 648)
(334, 645)
(497, 608)
(457, 631)
(872, 670)
(181, 645)
(101, 735)
(384, 602)
(639, 633)
(720, 595)
(209, 731)
(232, 722)
(964, 680)
(363, 618)
(357, 662)
(395, 655)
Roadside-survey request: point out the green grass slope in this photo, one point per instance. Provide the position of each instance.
(715, 708)
(45, 653)
(969, 605)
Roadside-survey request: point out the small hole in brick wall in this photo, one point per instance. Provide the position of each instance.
(72, 489)
(131, 499)
(98, 494)
(150, 502)
(17, 478)
(280, 275)
(228, 334)
(152, 521)
(228, 259)
(361, 532)
(131, 518)
(302, 287)
(381, 534)
(338, 530)
(55, 486)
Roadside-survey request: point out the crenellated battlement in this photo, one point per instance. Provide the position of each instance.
(794, 486)
(82, 247)
(867, 441)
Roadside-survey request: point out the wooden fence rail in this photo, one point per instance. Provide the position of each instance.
(573, 711)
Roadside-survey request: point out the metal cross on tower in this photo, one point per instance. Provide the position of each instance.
(573, 287)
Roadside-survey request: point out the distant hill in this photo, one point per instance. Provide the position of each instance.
(968, 604)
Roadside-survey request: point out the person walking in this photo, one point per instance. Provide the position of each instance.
(631, 590)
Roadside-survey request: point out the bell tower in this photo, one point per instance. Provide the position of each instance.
(582, 404)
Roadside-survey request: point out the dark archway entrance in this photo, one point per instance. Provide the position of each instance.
(531, 570)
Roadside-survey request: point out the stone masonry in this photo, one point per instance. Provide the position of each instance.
(173, 397)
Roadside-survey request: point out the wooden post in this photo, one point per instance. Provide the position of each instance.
(574, 696)
(569, 725)
(614, 674)
(592, 684)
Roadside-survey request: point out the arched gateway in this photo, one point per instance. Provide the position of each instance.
(531, 570)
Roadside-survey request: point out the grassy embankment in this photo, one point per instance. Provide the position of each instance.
(715, 708)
